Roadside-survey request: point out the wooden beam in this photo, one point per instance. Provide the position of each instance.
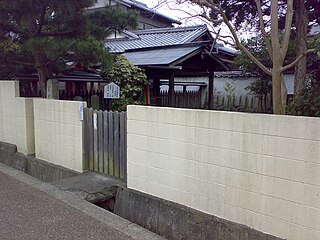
(210, 90)
(166, 75)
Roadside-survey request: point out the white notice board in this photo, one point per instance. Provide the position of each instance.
(111, 91)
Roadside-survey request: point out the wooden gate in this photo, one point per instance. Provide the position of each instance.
(105, 142)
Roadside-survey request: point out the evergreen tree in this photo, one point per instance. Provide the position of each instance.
(44, 35)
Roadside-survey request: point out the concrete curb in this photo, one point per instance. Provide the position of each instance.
(37, 168)
(124, 226)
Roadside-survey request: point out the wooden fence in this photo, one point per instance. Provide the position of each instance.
(187, 99)
(94, 98)
(105, 142)
(241, 101)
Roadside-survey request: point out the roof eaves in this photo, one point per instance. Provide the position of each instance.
(191, 54)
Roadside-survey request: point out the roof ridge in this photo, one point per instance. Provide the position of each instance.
(169, 29)
(121, 39)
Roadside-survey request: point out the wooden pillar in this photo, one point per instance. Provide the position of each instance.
(210, 90)
(147, 93)
(156, 87)
(156, 91)
(171, 90)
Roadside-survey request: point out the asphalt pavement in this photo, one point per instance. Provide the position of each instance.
(31, 209)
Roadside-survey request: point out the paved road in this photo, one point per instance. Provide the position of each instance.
(29, 213)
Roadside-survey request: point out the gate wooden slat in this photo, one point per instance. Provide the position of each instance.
(85, 140)
(90, 138)
(125, 147)
(100, 141)
(116, 133)
(122, 145)
(111, 142)
(95, 142)
(105, 142)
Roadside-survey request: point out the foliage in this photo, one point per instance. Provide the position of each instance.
(258, 48)
(132, 81)
(244, 13)
(229, 89)
(307, 104)
(260, 87)
(268, 13)
(44, 35)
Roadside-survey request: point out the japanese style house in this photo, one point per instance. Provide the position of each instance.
(177, 57)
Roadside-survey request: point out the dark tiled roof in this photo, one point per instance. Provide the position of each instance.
(157, 37)
(161, 56)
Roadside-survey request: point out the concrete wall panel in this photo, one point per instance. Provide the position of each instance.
(58, 133)
(16, 118)
(254, 169)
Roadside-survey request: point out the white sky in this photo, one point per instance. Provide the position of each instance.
(183, 13)
(174, 11)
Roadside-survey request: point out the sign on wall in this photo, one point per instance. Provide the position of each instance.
(111, 91)
(81, 108)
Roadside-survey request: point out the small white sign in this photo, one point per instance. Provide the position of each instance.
(111, 91)
(95, 121)
(81, 113)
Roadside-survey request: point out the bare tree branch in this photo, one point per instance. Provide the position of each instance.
(54, 34)
(21, 63)
(242, 47)
(287, 31)
(275, 31)
(291, 65)
(263, 28)
(41, 20)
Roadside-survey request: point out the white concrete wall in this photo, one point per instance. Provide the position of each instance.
(16, 118)
(259, 170)
(58, 133)
(240, 83)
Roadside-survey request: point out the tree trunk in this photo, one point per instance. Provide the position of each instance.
(301, 22)
(278, 91)
(284, 94)
(43, 72)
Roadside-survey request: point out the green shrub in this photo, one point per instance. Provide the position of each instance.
(132, 81)
(307, 104)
